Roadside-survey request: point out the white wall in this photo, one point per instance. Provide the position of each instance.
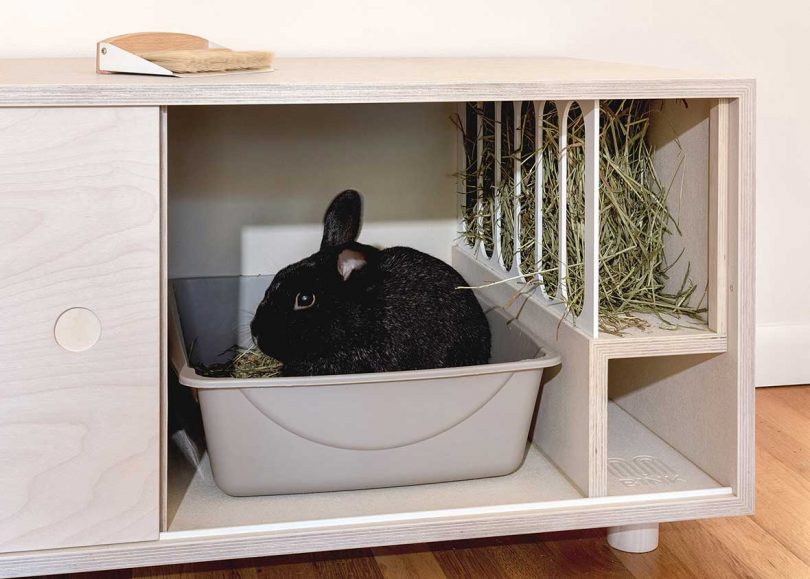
(769, 41)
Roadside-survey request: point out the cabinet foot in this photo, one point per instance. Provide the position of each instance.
(633, 538)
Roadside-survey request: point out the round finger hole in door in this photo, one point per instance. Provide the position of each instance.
(77, 329)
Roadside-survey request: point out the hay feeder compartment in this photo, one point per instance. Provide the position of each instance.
(142, 180)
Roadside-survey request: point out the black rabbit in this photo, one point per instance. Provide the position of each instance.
(353, 308)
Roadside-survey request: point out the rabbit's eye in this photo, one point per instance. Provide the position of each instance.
(304, 300)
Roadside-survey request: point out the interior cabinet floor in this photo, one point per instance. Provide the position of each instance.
(773, 543)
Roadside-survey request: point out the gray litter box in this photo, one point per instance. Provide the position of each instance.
(327, 433)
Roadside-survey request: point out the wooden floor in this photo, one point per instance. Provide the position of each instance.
(773, 543)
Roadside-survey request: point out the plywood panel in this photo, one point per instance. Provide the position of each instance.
(640, 462)
(79, 227)
(568, 406)
(164, 317)
(49, 82)
(718, 216)
(680, 134)
(689, 401)
(199, 505)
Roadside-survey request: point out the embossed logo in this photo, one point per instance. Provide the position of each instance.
(642, 471)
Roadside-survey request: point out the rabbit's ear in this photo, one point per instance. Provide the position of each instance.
(341, 224)
(349, 261)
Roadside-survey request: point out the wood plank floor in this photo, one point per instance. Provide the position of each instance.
(773, 543)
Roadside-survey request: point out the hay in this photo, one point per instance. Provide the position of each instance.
(634, 217)
(246, 363)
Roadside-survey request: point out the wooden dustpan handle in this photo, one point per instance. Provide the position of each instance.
(141, 42)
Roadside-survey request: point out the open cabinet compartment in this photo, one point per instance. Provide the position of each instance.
(670, 429)
(246, 191)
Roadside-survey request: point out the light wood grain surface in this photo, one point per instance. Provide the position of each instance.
(164, 313)
(140, 42)
(49, 82)
(79, 228)
(563, 429)
(773, 543)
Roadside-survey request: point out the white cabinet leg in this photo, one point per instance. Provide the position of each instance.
(633, 538)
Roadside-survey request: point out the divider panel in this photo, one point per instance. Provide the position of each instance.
(524, 193)
(562, 427)
(588, 319)
(718, 214)
(497, 159)
(562, 203)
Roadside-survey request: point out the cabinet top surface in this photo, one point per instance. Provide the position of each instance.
(74, 82)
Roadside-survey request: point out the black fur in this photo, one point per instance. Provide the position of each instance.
(341, 224)
(399, 311)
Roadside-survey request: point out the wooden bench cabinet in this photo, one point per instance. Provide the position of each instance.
(99, 181)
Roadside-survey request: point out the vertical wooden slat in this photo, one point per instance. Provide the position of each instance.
(164, 319)
(718, 214)
(488, 133)
(464, 164)
(562, 210)
(479, 139)
(471, 128)
(517, 145)
(539, 107)
(588, 319)
(740, 280)
(463, 168)
(497, 254)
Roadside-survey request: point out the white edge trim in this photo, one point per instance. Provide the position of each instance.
(656, 498)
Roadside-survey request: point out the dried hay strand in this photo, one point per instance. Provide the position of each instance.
(246, 363)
